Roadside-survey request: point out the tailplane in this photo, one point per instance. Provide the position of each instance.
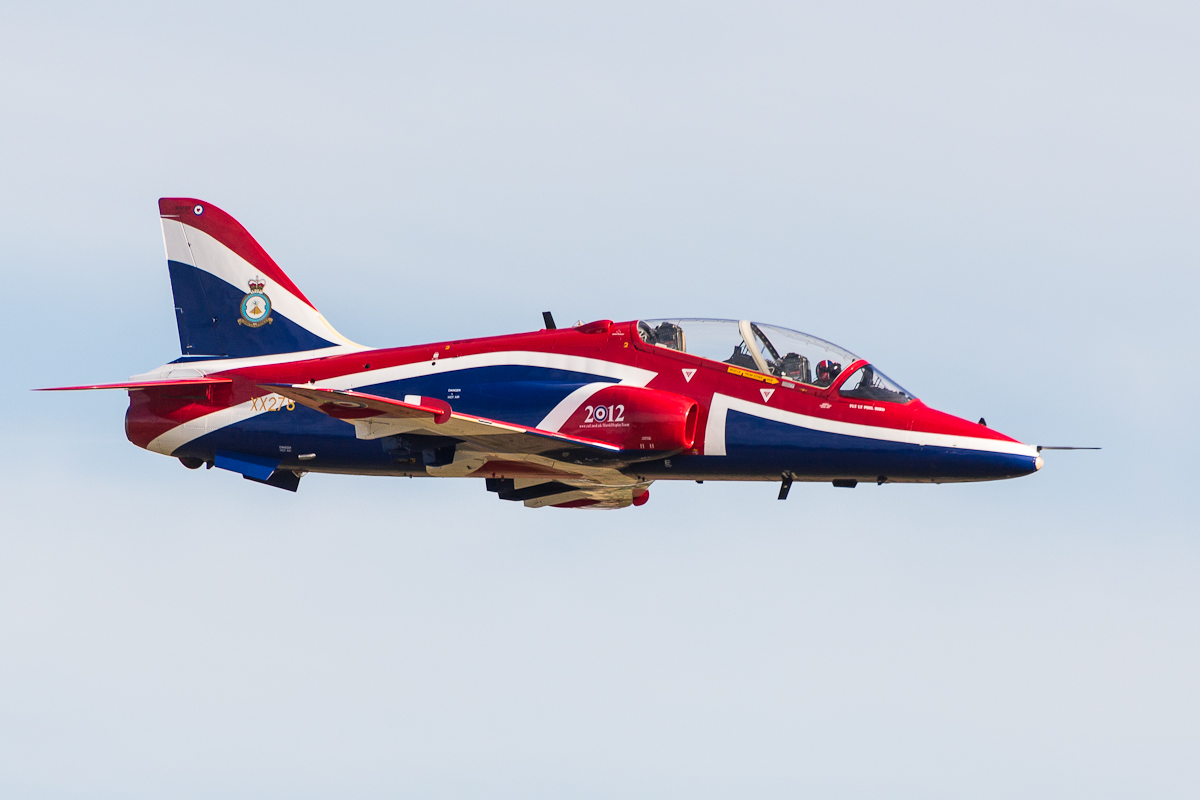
(231, 299)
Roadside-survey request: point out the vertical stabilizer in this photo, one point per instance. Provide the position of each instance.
(231, 298)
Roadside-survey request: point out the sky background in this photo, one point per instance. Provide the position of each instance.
(997, 203)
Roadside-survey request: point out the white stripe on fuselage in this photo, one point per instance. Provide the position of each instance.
(186, 432)
(714, 432)
(559, 415)
(633, 376)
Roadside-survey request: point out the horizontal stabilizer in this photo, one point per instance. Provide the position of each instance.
(135, 385)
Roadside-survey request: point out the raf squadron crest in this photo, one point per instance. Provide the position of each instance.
(256, 306)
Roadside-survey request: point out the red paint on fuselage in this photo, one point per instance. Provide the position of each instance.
(151, 413)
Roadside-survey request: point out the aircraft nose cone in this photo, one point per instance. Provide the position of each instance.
(1029, 467)
(982, 453)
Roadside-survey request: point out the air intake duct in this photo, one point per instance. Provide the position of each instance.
(634, 418)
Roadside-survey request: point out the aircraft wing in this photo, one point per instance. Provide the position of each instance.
(582, 469)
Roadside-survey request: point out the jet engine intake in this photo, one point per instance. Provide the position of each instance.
(635, 418)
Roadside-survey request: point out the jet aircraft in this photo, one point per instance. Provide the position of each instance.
(580, 417)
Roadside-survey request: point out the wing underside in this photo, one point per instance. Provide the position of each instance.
(579, 472)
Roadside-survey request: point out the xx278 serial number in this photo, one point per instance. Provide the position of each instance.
(272, 402)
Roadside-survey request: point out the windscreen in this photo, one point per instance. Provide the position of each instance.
(868, 383)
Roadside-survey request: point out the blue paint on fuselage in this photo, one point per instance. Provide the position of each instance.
(522, 395)
(755, 447)
(288, 434)
(761, 447)
(519, 394)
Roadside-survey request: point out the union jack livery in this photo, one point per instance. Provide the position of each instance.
(582, 417)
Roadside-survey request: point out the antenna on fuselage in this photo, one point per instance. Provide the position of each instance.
(548, 318)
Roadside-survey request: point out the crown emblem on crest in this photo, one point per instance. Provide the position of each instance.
(256, 306)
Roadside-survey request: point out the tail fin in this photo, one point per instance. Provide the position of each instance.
(231, 298)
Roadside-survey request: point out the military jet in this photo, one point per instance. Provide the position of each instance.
(580, 417)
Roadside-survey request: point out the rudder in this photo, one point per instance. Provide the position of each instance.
(231, 299)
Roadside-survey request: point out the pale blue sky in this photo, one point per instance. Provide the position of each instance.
(997, 204)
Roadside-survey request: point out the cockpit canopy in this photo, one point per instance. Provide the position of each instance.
(771, 350)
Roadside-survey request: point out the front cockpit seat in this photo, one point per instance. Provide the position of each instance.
(741, 358)
(796, 367)
(667, 334)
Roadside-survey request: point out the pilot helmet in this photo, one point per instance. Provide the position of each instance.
(828, 370)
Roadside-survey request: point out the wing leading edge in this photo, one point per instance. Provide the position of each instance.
(588, 470)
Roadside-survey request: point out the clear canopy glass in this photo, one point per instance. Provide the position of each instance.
(756, 346)
(769, 349)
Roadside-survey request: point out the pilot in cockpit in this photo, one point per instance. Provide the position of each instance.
(827, 372)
